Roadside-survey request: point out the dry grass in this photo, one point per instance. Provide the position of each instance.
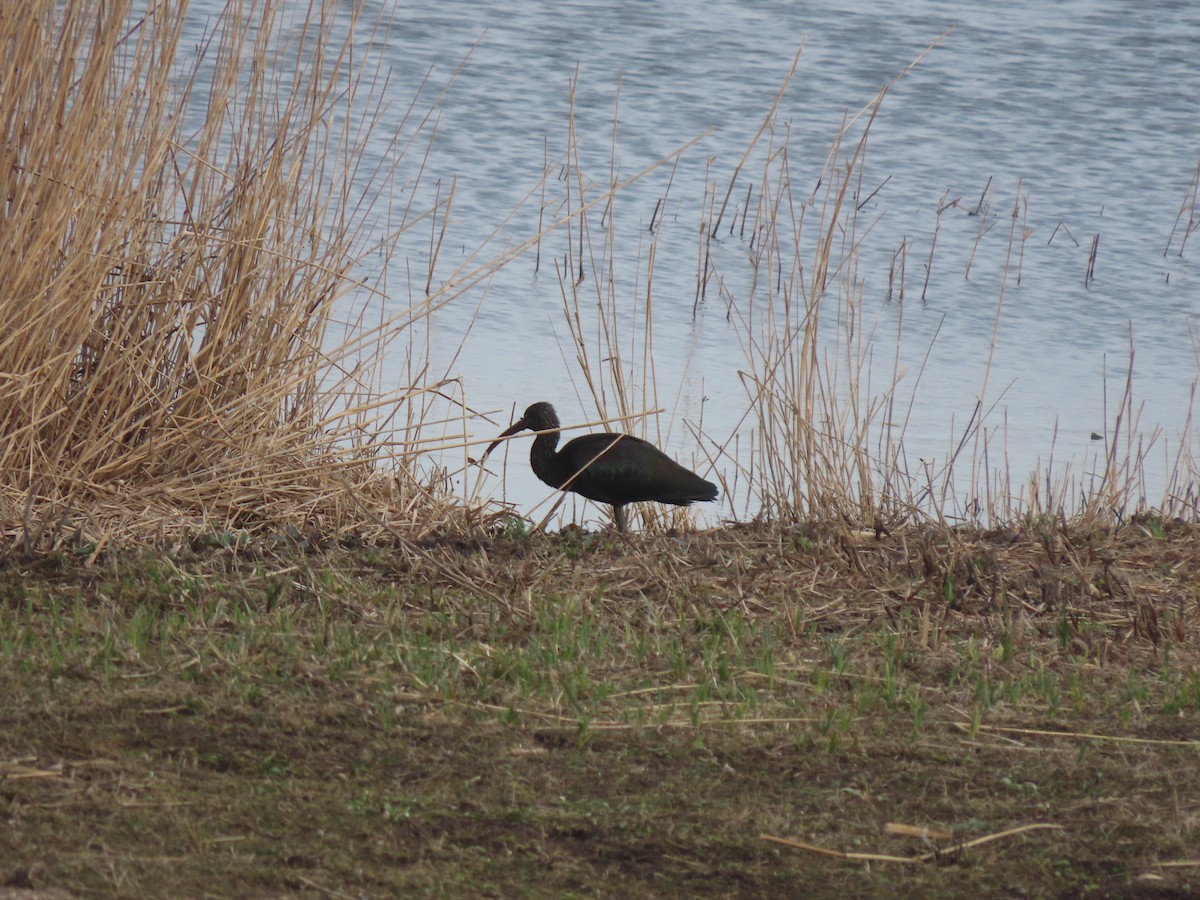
(823, 433)
(170, 277)
(818, 437)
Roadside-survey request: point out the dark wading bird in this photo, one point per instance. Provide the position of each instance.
(608, 468)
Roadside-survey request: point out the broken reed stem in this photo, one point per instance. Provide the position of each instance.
(703, 254)
(981, 211)
(1025, 233)
(446, 219)
(896, 272)
(1090, 275)
(654, 215)
(931, 856)
(1189, 206)
(745, 212)
(980, 207)
(879, 187)
(1066, 230)
(937, 225)
(537, 255)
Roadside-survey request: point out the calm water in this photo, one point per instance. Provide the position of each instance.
(1091, 108)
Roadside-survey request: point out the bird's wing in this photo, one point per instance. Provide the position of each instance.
(630, 470)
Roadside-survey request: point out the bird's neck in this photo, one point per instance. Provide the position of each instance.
(541, 459)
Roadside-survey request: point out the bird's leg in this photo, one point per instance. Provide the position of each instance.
(619, 511)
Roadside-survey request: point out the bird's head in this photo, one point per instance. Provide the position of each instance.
(539, 416)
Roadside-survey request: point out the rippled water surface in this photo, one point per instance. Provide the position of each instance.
(1084, 116)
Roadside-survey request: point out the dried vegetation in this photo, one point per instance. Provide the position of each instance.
(171, 270)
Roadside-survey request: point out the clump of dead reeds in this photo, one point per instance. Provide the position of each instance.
(823, 433)
(816, 440)
(170, 267)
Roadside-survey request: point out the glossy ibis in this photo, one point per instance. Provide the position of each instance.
(609, 468)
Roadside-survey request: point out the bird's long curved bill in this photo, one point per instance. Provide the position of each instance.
(519, 425)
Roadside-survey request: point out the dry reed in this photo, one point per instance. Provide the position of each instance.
(175, 245)
(822, 438)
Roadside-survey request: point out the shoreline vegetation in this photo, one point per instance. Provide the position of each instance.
(252, 644)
